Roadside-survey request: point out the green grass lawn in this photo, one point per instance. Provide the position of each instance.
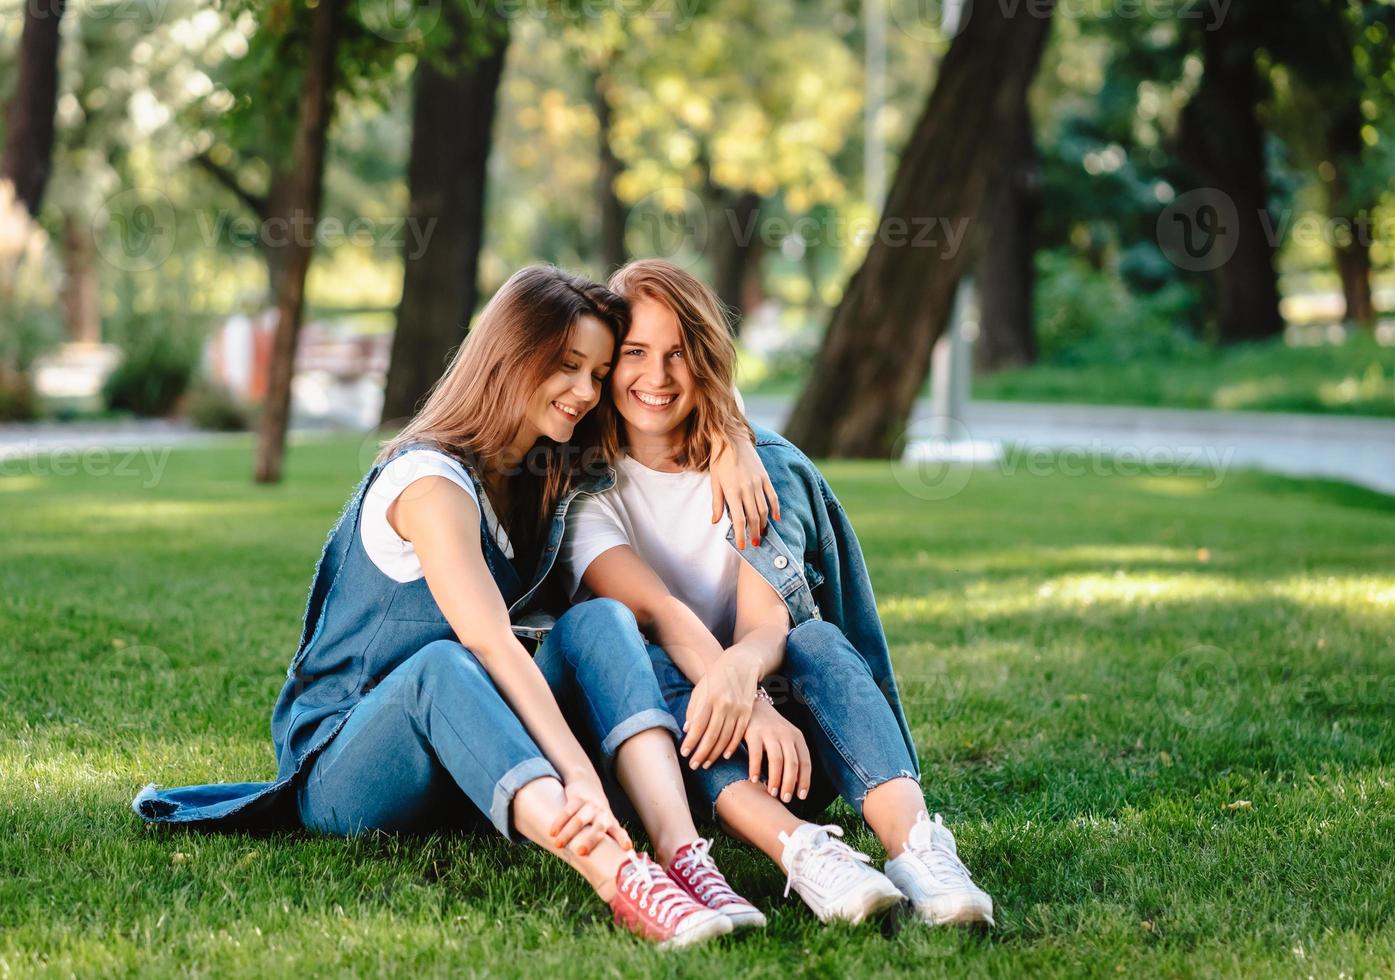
(1355, 378)
(1158, 717)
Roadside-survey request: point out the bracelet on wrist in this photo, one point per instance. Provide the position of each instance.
(763, 695)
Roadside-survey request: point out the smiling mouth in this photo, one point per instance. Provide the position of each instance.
(653, 401)
(567, 410)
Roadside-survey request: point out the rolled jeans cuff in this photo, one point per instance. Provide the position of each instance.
(509, 784)
(638, 722)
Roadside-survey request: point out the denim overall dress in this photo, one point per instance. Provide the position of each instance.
(359, 625)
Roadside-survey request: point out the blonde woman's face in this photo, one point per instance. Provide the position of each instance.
(652, 387)
(574, 388)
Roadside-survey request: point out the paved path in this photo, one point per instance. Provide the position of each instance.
(1110, 439)
(1357, 450)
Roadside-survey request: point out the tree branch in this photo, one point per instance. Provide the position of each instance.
(259, 205)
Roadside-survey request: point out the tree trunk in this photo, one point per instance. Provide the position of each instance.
(1342, 90)
(301, 200)
(452, 122)
(28, 155)
(1005, 266)
(1353, 259)
(82, 286)
(735, 248)
(613, 211)
(1222, 142)
(876, 353)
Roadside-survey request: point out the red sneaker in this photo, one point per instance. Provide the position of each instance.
(653, 907)
(696, 873)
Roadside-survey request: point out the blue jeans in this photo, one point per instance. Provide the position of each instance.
(436, 747)
(826, 689)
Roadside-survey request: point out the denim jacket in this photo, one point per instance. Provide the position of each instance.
(359, 625)
(812, 558)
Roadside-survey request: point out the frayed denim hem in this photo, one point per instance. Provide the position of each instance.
(873, 784)
(511, 782)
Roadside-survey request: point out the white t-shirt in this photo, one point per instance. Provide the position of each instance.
(395, 558)
(665, 518)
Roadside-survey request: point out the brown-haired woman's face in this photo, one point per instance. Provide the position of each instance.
(574, 387)
(652, 387)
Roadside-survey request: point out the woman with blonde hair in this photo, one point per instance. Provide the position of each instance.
(773, 658)
(412, 703)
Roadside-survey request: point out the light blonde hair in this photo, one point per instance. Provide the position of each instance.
(475, 408)
(705, 339)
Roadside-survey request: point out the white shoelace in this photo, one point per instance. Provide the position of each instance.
(940, 855)
(838, 873)
(702, 871)
(647, 883)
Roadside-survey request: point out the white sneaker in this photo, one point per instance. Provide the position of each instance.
(835, 881)
(930, 874)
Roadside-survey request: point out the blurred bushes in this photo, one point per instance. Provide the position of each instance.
(1087, 316)
(214, 408)
(160, 359)
(16, 396)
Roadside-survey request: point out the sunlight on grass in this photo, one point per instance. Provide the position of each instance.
(1172, 486)
(20, 484)
(1157, 718)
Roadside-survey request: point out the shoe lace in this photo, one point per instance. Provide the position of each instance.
(841, 867)
(654, 890)
(702, 872)
(940, 856)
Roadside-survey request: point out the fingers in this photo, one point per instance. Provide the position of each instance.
(762, 508)
(770, 495)
(755, 750)
(698, 721)
(791, 776)
(738, 732)
(774, 766)
(588, 837)
(753, 514)
(806, 765)
(584, 816)
(566, 813)
(738, 525)
(621, 836)
(711, 738)
(717, 501)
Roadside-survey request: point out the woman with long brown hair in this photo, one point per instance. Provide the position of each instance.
(412, 703)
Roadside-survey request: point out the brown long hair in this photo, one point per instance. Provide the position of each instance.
(477, 405)
(708, 350)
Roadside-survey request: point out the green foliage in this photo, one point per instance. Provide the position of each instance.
(1353, 378)
(1044, 629)
(27, 333)
(16, 396)
(158, 363)
(1089, 317)
(214, 409)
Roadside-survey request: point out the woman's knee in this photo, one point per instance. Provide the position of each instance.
(818, 644)
(447, 666)
(602, 633)
(598, 617)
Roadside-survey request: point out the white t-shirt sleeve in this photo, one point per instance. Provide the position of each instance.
(396, 558)
(593, 528)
